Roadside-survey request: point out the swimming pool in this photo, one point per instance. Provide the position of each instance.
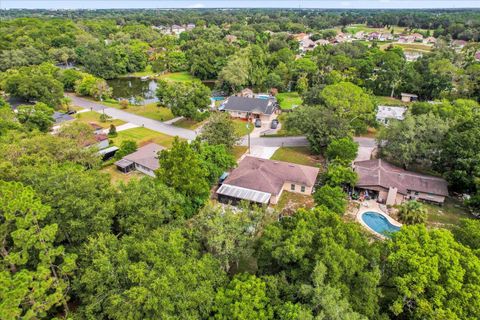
(379, 223)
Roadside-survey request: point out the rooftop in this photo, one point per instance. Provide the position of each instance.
(59, 117)
(269, 176)
(146, 156)
(244, 104)
(380, 173)
(384, 112)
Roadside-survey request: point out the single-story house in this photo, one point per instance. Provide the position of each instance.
(459, 43)
(263, 181)
(409, 97)
(387, 113)
(145, 160)
(247, 108)
(393, 185)
(60, 119)
(96, 128)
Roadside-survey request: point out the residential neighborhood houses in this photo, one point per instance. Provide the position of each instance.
(261, 107)
(145, 160)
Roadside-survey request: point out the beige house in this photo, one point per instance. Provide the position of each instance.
(393, 185)
(251, 108)
(145, 160)
(263, 181)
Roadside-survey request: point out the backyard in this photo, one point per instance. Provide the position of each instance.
(446, 216)
(289, 202)
(288, 100)
(143, 136)
(94, 117)
(298, 155)
(116, 176)
(177, 76)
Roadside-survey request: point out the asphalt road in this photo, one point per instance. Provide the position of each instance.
(366, 145)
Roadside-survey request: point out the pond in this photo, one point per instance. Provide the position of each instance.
(130, 88)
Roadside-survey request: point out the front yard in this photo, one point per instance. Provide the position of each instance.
(241, 127)
(116, 176)
(150, 110)
(189, 124)
(142, 136)
(298, 155)
(288, 100)
(94, 117)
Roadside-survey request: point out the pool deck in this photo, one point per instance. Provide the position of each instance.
(372, 205)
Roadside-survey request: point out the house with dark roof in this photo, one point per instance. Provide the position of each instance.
(145, 160)
(393, 185)
(99, 141)
(263, 108)
(262, 181)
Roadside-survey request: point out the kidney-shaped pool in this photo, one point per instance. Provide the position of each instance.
(379, 223)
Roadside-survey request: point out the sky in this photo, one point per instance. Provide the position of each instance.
(326, 4)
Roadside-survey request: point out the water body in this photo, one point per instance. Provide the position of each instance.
(379, 223)
(131, 88)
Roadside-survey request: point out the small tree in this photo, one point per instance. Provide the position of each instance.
(332, 198)
(104, 117)
(344, 150)
(113, 131)
(412, 212)
(220, 130)
(338, 175)
(126, 148)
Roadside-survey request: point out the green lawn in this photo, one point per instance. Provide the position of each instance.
(92, 116)
(146, 73)
(241, 127)
(289, 99)
(446, 216)
(419, 47)
(177, 76)
(238, 151)
(150, 110)
(143, 136)
(189, 124)
(116, 176)
(299, 155)
(387, 101)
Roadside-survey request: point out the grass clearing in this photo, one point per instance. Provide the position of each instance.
(116, 176)
(241, 127)
(239, 151)
(189, 124)
(388, 101)
(290, 202)
(142, 136)
(418, 47)
(298, 155)
(446, 216)
(150, 110)
(94, 117)
(146, 73)
(288, 100)
(177, 77)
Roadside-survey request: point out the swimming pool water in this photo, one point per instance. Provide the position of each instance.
(379, 223)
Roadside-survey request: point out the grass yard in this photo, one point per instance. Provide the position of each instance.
(116, 176)
(298, 155)
(150, 110)
(241, 127)
(288, 100)
(388, 101)
(177, 77)
(92, 116)
(446, 216)
(142, 136)
(238, 151)
(189, 124)
(418, 47)
(146, 73)
(290, 202)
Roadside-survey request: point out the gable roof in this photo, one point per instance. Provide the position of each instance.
(269, 176)
(244, 104)
(380, 173)
(384, 112)
(146, 156)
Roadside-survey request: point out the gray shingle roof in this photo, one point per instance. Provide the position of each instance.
(146, 156)
(243, 104)
(61, 117)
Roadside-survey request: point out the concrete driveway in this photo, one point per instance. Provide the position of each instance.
(366, 148)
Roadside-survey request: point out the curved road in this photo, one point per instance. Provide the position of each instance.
(171, 130)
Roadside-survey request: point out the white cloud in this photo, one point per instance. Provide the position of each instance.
(197, 5)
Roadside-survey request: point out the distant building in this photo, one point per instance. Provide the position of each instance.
(360, 35)
(262, 181)
(387, 113)
(322, 42)
(393, 185)
(409, 97)
(176, 29)
(99, 141)
(145, 160)
(430, 40)
(459, 43)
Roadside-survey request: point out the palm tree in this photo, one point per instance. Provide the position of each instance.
(412, 212)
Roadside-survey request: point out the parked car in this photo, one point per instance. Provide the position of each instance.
(274, 124)
(70, 112)
(258, 123)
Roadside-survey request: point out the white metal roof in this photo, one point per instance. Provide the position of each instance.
(244, 193)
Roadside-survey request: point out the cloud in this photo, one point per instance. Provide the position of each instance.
(345, 3)
(197, 5)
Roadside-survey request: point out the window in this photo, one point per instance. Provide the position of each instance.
(416, 193)
(302, 189)
(292, 187)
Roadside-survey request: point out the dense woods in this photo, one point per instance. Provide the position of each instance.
(75, 246)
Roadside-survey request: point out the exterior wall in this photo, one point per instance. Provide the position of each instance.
(102, 144)
(406, 99)
(426, 197)
(298, 188)
(237, 114)
(144, 170)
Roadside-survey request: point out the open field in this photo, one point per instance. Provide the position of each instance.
(92, 116)
(416, 47)
(150, 110)
(298, 155)
(143, 136)
(177, 76)
(288, 100)
(446, 216)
